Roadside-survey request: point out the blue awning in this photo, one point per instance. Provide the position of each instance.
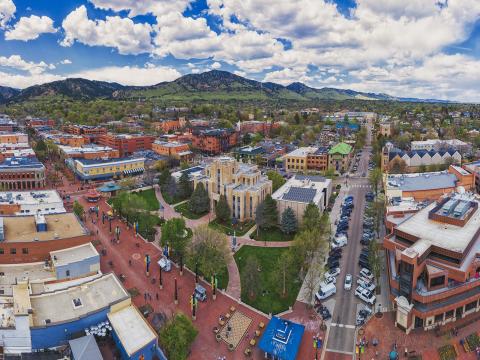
(282, 339)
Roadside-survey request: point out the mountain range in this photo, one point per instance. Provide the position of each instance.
(215, 85)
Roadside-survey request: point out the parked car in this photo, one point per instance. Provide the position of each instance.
(348, 282)
(364, 264)
(365, 284)
(367, 274)
(333, 272)
(326, 291)
(365, 295)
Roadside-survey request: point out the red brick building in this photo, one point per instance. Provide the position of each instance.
(28, 239)
(263, 127)
(90, 133)
(169, 125)
(214, 141)
(127, 144)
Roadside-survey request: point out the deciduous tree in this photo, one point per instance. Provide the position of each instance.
(209, 249)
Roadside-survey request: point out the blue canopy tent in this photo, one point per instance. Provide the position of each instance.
(281, 339)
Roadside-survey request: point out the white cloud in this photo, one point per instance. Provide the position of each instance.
(16, 62)
(141, 7)
(216, 65)
(66, 62)
(120, 33)
(130, 75)
(20, 81)
(287, 76)
(7, 10)
(30, 28)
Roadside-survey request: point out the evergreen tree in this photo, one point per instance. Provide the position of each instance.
(311, 217)
(171, 188)
(184, 186)
(222, 210)
(164, 177)
(270, 212)
(199, 202)
(289, 221)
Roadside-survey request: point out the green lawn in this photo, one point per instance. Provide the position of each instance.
(222, 279)
(269, 299)
(150, 198)
(185, 211)
(240, 228)
(273, 234)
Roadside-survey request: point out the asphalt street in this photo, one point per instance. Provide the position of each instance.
(342, 328)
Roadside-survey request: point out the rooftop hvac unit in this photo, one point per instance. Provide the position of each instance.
(40, 223)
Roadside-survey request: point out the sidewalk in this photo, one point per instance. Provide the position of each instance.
(314, 274)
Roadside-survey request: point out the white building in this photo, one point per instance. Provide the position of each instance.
(299, 191)
(437, 144)
(31, 202)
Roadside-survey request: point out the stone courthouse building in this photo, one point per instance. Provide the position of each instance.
(243, 185)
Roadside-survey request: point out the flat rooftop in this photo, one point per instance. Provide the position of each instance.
(90, 148)
(440, 234)
(73, 254)
(303, 189)
(10, 274)
(77, 301)
(93, 162)
(59, 226)
(132, 329)
(30, 197)
(14, 163)
(302, 151)
(421, 181)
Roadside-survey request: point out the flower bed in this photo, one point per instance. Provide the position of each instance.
(473, 341)
(447, 352)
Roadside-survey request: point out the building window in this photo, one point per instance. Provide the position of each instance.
(471, 306)
(449, 314)
(437, 281)
(13, 251)
(67, 273)
(25, 251)
(439, 318)
(2, 251)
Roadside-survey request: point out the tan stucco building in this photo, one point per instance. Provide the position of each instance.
(242, 184)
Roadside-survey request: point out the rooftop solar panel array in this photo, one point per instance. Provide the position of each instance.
(305, 195)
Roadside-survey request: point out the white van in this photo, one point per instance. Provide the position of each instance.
(326, 291)
(339, 241)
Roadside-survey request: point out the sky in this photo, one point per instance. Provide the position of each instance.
(408, 48)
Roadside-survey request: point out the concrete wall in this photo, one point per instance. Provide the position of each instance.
(79, 268)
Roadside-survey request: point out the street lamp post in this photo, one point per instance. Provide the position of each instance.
(176, 293)
(160, 282)
(196, 273)
(181, 265)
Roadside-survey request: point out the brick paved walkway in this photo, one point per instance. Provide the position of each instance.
(423, 342)
(205, 346)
